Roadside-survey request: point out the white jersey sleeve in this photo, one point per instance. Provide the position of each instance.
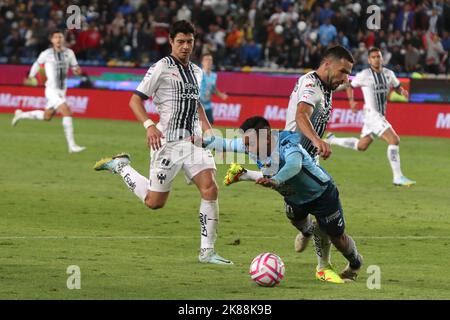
(359, 80)
(309, 92)
(40, 60)
(151, 81)
(394, 80)
(72, 59)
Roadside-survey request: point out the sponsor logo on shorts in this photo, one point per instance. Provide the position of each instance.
(333, 216)
(165, 162)
(161, 177)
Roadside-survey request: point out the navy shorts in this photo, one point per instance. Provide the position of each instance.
(327, 209)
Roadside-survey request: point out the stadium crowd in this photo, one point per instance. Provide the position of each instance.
(414, 35)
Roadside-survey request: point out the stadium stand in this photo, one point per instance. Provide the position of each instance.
(270, 34)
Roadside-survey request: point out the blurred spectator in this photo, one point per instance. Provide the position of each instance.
(184, 13)
(412, 59)
(286, 33)
(327, 33)
(434, 52)
(405, 19)
(250, 54)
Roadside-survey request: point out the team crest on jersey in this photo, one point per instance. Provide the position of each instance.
(310, 85)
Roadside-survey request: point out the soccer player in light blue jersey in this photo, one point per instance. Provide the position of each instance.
(305, 186)
(209, 86)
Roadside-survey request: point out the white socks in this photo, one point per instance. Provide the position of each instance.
(68, 131)
(209, 219)
(351, 143)
(393, 154)
(134, 181)
(322, 247)
(251, 175)
(32, 115)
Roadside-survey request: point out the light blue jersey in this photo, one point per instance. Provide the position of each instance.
(207, 89)
(300, 179)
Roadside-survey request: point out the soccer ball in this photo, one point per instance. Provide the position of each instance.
(267, 269)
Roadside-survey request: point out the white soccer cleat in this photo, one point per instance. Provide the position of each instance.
(210, 256)
(75, 149)
(16, 118)
(403, 181)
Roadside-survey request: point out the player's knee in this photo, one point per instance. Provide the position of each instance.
(363, 147)
(154, 205)
(209, 192)
(396, 140)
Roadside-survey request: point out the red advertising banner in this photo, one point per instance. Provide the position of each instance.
(406, 118)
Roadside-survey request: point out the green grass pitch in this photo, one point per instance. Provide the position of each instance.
(55, 211)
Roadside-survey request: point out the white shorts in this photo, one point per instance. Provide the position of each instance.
(374, 124)
(55, 98)
(166, 162)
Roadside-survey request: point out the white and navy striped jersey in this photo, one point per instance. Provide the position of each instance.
(176, 92)
(375, 87)
(311, 90)
(56, 66)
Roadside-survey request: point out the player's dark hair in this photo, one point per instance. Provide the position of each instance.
(207, 54)
(374, 49)
(56, 31)
(338, 52)
(255, 123)
(181, 26)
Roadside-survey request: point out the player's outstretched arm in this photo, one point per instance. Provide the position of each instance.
(291, 168)
(235, 145)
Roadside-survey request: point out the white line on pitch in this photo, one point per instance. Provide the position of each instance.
(188, 237)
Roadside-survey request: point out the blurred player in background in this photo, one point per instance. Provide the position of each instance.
(209, 86)
(308, 114)
(173, 83)
(56, 61)
(376, 83)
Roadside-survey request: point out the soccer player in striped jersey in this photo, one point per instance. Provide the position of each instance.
(376, 82)
(308, 114)
(56, 61)
(305, 186)
(173, 83)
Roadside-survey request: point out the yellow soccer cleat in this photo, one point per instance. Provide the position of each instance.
(234, 172)
(113, 164)
(329, 275)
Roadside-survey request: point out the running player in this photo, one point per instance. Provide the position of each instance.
(173, 83)
(56, 61)
(209, 86)
(376, 83)
(308, 114)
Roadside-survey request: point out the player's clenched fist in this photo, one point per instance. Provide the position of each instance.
(323, 149)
